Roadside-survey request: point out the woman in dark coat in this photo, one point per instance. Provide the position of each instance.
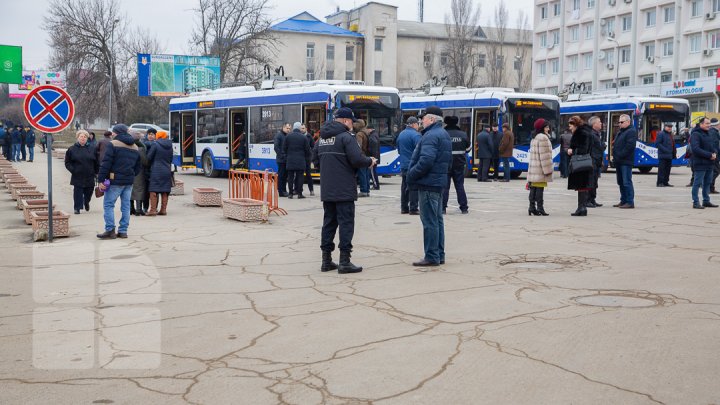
(81, 161)
(140, 183)
(160, 158)
(580, 144)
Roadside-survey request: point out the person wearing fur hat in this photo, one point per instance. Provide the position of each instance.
(584, 181)
(540, 168)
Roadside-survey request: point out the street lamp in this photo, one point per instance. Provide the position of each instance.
(112, 69)
(617, 65)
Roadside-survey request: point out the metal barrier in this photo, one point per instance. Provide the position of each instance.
(257, 185)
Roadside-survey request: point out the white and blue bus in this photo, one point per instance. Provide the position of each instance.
(648, 114)
(234, 127)
(487, 106)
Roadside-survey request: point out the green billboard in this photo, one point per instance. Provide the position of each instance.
(11, 64)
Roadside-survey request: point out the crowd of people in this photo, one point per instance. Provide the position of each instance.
(18, 142)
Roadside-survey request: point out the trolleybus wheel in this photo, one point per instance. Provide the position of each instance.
(645, 169)
(208, 166)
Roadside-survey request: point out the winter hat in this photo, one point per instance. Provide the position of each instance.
(161, 135)
(539, 124)
(120, 129)
(297, 125)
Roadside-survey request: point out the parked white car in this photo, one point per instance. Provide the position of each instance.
(139, 126)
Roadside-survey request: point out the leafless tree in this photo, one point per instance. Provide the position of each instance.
(140, 109)
(462, 26)
(523, 45)
(81, 39)
(237, 31)
(496, 46)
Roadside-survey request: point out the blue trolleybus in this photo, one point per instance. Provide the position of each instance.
(648, 114)
(492, 106)
(234, 127)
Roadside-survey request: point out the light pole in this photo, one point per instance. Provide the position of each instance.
(112, 69)
(617, 64)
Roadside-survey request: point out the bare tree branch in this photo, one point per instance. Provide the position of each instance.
(521, 51)
(462, 25)
(496, 47)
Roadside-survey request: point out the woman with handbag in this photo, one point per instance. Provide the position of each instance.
(540, 168)
(581, 177)
(161, 176)
(81, 162)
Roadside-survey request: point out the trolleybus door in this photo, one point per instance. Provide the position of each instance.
(314, 117)
(481, 117)
(187, 139)
(238, 139)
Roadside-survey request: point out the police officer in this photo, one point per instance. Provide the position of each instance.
(460, 148)
(339, 156)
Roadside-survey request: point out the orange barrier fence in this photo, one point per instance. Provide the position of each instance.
(257, 185)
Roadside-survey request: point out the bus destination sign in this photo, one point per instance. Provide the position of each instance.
(528, 103)
(205, 104)
(661, 106)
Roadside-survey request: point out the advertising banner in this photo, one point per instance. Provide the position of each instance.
(10, 64)
(34, 78)
(176, 75)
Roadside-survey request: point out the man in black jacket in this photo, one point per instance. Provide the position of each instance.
(460, 147)
(597, 151)
(297, 154)
(496, 137)
(665, 146)
(339, 156)
(280, 158)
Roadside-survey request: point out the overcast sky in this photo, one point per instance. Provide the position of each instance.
(171, 20)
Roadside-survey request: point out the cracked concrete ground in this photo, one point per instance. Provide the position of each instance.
(620, 307)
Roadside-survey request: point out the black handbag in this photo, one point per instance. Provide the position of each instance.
(580, 163)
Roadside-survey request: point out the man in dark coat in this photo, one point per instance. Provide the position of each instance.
(16, 142)
(665, 146)
(339, 155)
(715, 136)
(280, 158)
(456, 174)
(597, 151)
(704, 155)
(485, 149)
(308, 173)
(624, 157)
(29, 142)
(406, 143)
(81, 162)
(427, 172)
(159, 159)
(23, 152)
(297, 155)
(120, 165)
(497, 138)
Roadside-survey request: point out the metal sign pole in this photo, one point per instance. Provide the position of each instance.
(48, 147)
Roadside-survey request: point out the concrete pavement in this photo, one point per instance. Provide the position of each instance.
(622, 306)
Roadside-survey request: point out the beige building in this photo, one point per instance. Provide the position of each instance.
(369, 43)
(650, 47)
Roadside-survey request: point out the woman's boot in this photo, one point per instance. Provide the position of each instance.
(540, 201)
(163, 206)
(153, 204)
(581, 210)
(531, 209)
(139, 208)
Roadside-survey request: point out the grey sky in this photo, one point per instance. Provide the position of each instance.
(171, 20)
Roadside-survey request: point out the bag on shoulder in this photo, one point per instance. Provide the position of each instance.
(580, 163)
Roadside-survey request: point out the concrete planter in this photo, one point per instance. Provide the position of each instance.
(6, 177)
(15, 188)
(30, 195)
(178, 189)
(207, 197)
(61, 224)
(17, 180)
(244, 209)
(9, 172)
(30, 206)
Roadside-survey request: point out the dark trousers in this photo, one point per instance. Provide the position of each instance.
(564, 158)
(282, 178)
(716, 173)
(295, 181)
(623, 174)
(496, 167)
(374, 178)
(146, 196)
(483, 168)
(23, 152)
(506, 168)
(593, 191)
(82, 196)
(338, 214)
(663, 177)
(308, 178)
(457, 176)
(408, 196)
(363, 178)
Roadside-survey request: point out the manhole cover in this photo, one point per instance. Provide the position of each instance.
(401, 223)
(535, 265)
(616, 301)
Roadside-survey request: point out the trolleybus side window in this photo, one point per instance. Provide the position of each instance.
(212, 126)
(267, 121)
(175, 127)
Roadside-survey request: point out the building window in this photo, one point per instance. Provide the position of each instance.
(696, 8)
(591, 4)
(541, 69)
(378, 44)
(330, 75)
(330, 52)
(516, 63)
(627, 23)
(552, 90)
(543, 40)
(650, 51)
(310, 52)
(624, 82)
(589, 31)
(574, 34)
(310, 75)
(694, 42)
(481, 60)
(702, 105)
(649, 79)
(443, 59)
(378, 77)
(556, 9)
(576, 5)
(427, 59)
(712, 72)
(554, 67)
(556, 37)
(667, 48)
(588, 58)
(625, 55)
(669, 14)
(665, 77)
(499, 62)
(573, 63)
(348, 75)
(349, 53)
(610, 56)
(650, 18)
(610, 25)
(715, 6)
(714, 40)
(543, 13)
(693, 74)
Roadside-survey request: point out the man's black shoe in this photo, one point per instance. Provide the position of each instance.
(714, 192)
(290, 196)
(300, 196)
(698, 207)
(709, 205)
(77, 212)
(464, 211)
(425, 263)
(668, 185)
(404, 212)
(617, 205)
(626, 205)
(660, 185)
(122, 235)
(414, 212)
(87, 206)
(107, 235)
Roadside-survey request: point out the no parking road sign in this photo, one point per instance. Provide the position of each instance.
(49, 108)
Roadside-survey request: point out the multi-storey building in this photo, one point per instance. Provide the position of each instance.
(659, 47)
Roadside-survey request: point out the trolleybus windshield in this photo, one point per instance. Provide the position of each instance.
(522, 114)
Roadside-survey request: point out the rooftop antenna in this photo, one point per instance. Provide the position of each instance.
(421, 7)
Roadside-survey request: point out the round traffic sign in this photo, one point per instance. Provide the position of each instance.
(49, 108)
